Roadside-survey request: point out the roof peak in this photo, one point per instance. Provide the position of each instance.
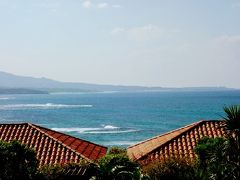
(145, 147)
(41, 127)
(167, 143)
(31, 134)
(60, 142)
(172, 131)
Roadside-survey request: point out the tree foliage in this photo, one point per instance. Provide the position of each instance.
(171, 169)
(219, 158)
(81, 170)
(17, 161)
(114, 166)
(213, 157)
(118, 151)
(117, 166)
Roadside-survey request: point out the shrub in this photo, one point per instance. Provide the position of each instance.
(216, 158)
(51, 172)
(82, 170)
(171, 169)
(117, 151)
(118, 166)
(17, 161)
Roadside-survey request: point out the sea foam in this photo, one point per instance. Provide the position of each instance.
(42, 106)
(105, 129)
(119, 143)
(6, 98)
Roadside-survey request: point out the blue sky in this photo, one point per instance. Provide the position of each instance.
(167, 43)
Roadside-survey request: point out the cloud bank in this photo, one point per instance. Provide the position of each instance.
(102, 5)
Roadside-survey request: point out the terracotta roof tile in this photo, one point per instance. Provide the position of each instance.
(52, 147)
(55, 135)
(88, 150)
(68, 141)
(81, 148)
(180, 142)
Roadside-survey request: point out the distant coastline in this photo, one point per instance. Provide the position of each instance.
(14, 84)
(21, 91)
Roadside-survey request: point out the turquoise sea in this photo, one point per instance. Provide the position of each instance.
(114, 118)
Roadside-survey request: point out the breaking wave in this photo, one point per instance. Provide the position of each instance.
(100, 92)
(119, 143)
(112, 132)
(106, 129)
(42, 106)
(6, 98)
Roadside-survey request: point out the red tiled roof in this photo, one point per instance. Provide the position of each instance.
(178, 143)
(52, 147)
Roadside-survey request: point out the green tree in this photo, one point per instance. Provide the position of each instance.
(117, 166)
(171, 169)
(232, 118)
(17, 161)
(81, 170)
(232, 122)
(219, 158)
(213, 158)
(232, 127)
(118, 151)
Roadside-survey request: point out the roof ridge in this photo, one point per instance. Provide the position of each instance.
(191, 126)
(17, 123)
(141, 142)
(71, 136)
(55, 139)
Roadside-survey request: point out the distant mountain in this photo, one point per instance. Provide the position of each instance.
(8, 80)
(12, 81)
(21, 91)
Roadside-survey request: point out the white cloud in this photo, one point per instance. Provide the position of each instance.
(87, 4)
(103, 5)
(141, 33)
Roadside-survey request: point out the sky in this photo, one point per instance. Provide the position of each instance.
(167, 43)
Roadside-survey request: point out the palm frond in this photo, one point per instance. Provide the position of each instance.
(232, 118)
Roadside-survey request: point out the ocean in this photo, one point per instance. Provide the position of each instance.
(116, 118)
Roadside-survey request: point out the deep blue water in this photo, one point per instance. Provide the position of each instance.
(116, 118)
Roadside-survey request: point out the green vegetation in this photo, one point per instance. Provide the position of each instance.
(171, 168)
(17, 161)
(213, 158)
(117, 166)
(118, 151)
(219, 158)
(83, 169)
